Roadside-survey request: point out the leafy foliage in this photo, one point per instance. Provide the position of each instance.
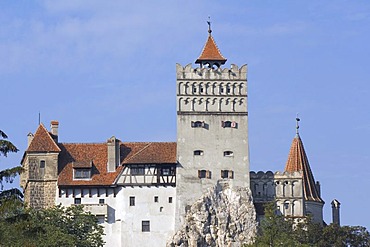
(8, 175)
(57, 226)
(277, 230)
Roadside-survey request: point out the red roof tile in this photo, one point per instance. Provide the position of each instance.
(74, 154)
(298, 161)
(150, 153)
(42, 141)
(211, 52)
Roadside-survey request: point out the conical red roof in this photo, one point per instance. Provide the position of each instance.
(211, 52)
(298, 161)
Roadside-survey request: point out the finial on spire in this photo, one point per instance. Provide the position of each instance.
(297, 124)
(209, 25)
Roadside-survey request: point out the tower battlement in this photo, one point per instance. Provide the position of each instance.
(190, 73)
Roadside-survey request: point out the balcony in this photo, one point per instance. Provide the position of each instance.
(96, 209)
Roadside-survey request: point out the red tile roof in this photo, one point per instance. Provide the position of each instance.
(211, 52)
(42, 141)
(298, 161)
(74, 154)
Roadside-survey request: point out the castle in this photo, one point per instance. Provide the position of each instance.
(140, 191)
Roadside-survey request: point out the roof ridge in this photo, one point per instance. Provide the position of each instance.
(141, 150)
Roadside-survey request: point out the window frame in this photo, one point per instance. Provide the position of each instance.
(131, 201)
(145, 225)
(81, 173)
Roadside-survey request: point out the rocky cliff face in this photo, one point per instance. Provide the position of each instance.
(224, 216)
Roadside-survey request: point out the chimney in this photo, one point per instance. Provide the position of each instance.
(29, 139)
(54, 130)
(335, 205)
(113, 154)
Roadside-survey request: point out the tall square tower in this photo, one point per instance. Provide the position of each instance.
(212, 126)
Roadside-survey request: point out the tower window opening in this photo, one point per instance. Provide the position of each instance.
(194, 89)
(227, 174)
(201, 89)
(221, 89)
(198, 124)
(156, 199)
(228, 89)
(42, 164)
(204, 174)
(198, 152)
(229, 124)
(228, 153)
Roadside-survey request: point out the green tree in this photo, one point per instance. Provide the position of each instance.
(52, 227)
(275, 229)
(8, 175)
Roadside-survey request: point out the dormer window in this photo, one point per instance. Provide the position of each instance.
(198, 152)
(229, 124)
(198, 124)
(82, 173)
(82, 169)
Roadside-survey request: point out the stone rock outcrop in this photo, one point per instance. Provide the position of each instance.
(224, 216)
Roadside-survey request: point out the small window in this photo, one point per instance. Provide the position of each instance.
(42, 164)
(228, 153)
(132, 201)
(204, 174)
(166, 171)
(228, 89)
(156, 199)
(160, 209)
(101, 201)
(198, 152)
(137, 170)
(221, 89)
(201, 89)
(198, 124)
(227, 174)
(82, 173)
(194, 89)
(229, 124)
(77, 200)
(169, 199)
(145, 226)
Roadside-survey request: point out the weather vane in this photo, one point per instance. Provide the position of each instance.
(209, 25)
(297, 124)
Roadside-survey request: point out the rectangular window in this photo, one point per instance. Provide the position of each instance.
(132, 201)
(101, 201)
(77, 200)
(166, 171)
(145, 226)
(198, 124)
(204, 174)
(137, 170)
(82, 173)
(42, 164)
(198, 152)
(156, 199)
(227, 174)
(169, 199)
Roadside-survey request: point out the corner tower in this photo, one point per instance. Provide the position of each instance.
(212, 126)
(298, 162)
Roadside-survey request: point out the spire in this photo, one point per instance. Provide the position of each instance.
(298, 161)
(211, 55)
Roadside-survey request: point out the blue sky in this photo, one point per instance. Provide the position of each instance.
(106, 68)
